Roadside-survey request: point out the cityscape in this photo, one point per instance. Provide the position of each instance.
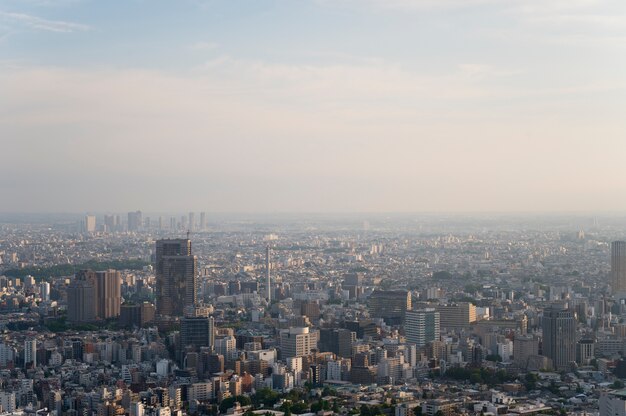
(384, 315)
(312, 207)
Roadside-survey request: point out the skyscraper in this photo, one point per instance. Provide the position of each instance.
(81, 297)
(90, 224)
(192, 221)
(196, 332)
(559, 336)
(135, 220)
(618, 266)
(268, 278)
(94, 295)
(422, 326)
(30, 352)
(176, 276)
(108, 294)
(202, 221)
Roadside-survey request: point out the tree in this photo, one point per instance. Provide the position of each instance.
(230, 401)
(266, 397)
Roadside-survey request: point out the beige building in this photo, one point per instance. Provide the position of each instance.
(457, 315)
(297, 342)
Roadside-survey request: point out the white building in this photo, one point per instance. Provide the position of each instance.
(30, 352)
(613, 403)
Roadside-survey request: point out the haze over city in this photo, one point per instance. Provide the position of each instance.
(312, 106)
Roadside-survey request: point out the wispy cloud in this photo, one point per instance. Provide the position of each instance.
(39, 23)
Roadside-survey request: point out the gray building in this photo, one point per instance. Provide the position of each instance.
(176, 277)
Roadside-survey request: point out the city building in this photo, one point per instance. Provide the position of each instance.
(422, 326)
(297, 342)
(30, 352)
(176, 277)
(135, 221)
(108, 294)
(390, 305)
(457, 315)
(559, 337)
(618, 267)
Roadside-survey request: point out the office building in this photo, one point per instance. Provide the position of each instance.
(268, 279)
(422, 326)
(81, 297)
(89, 225)
(176, 277)
(618, 267)
(337, 341)
(559, 337)
(297, 342)
(192, 221)
(135, 220)
(44, 291)
(30, 353)
(202, 221)
(390, 305)
(525, 347)
(108, 294)
(196, 332)
(111, 223)
(136, 314)
(457, 315)
(613, 403)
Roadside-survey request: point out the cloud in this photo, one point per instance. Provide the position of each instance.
(39, 23)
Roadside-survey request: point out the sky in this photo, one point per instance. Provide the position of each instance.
(313, 105)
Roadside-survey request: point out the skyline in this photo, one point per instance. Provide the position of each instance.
(317, 106)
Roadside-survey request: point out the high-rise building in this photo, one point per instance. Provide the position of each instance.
(196, 332)
(559, 336)
(192, 221)
(81, 297)
(44, 291)
(422, 326)
(297, 342)
(618, 266)
(135, 220)
(111, 223)
(94, 295)
(90, 224)
(202, 221)
(457, 315)
(268, 278)
(30, 352)
(524, 348)
(108, 293)
(136, 314)
(390, 305)
(338, 341)
(176, 277)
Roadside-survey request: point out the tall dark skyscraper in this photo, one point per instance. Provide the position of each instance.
(559, 336)
(176, 276)
(618, 266)
(81, 297)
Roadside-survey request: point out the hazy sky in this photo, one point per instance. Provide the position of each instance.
(320, 105)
